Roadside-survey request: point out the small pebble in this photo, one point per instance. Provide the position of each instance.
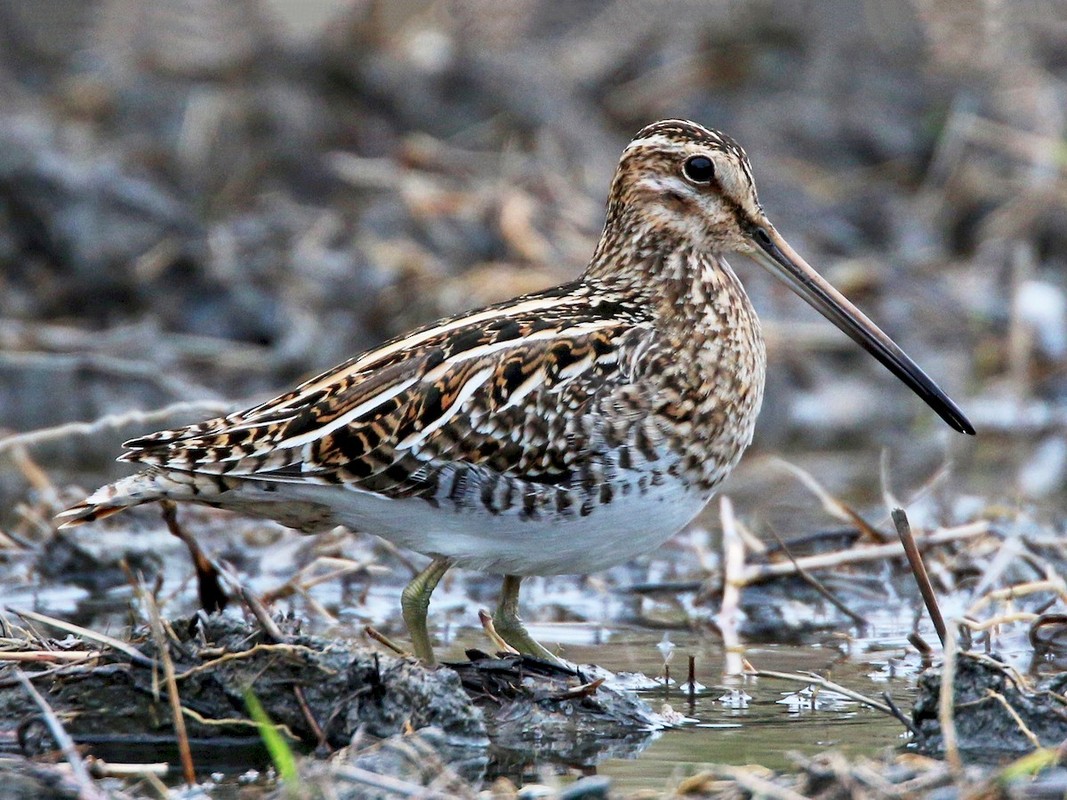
(592, 787)
(535, 791)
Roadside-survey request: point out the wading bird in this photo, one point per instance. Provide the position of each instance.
(564, 431)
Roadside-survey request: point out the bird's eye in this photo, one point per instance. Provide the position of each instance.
(699, 169)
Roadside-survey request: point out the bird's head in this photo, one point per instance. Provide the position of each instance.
(680, 180)
(681, 185)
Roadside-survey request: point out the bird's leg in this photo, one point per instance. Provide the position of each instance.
(509, 626)
(415, 600)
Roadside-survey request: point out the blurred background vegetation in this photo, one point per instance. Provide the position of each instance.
(202, 201)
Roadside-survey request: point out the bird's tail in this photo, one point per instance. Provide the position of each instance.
(144, 487)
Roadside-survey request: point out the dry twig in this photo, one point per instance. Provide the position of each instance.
(918, 569)
(812, 581)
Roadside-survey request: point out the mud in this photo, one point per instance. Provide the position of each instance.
(996, 711)
(321, 691)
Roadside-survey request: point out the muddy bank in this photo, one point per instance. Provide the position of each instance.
(995, 711)
(495, 714)
(320, 692)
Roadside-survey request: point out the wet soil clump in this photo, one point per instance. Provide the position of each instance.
(489, 715)
(319, 691)
(997, 713)
(534, 709)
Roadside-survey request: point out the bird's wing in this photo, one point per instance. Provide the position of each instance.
(501, 389)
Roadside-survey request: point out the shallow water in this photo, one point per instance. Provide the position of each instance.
(779, 718)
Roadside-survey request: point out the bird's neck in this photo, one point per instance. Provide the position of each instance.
(685, 287)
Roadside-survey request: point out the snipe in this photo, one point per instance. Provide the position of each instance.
(564, 431)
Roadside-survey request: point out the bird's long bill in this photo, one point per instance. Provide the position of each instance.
(774, 253)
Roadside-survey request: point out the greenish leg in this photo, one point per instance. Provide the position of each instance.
(414, 602)
(509, 626)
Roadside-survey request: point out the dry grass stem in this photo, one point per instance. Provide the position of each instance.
(382, 639)
(899, 715)
(577, 692)
(84, 633)
(834, 507)
(249, 653)
(1055, 585)
(812, 581)
(385, 783)
(490, 630)
(315, 607)
(50, 656)
(753, 543)
(87, 790)
(212, 598)
(111, 422)
(946, 714)
(1023, 727)
(733, 565)
(159, 635)
(309, 716)
(252, 603)
(1011, 550)
(936, 776)
(109, 769)
(753, 782)
(889, 497)
(1011, 672)
(236, 722)
(167, 381)
(34, 475)
(755, 573)
(809, 678)
(305, 580)
(1001, 619)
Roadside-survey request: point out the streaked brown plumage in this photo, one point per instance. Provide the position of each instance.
(562, 431)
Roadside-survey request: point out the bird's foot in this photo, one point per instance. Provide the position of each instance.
(508, 627)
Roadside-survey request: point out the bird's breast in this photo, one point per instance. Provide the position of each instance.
(712, 380)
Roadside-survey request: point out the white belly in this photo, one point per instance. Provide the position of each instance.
(507, 544)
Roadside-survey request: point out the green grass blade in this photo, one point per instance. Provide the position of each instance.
(281, 754)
